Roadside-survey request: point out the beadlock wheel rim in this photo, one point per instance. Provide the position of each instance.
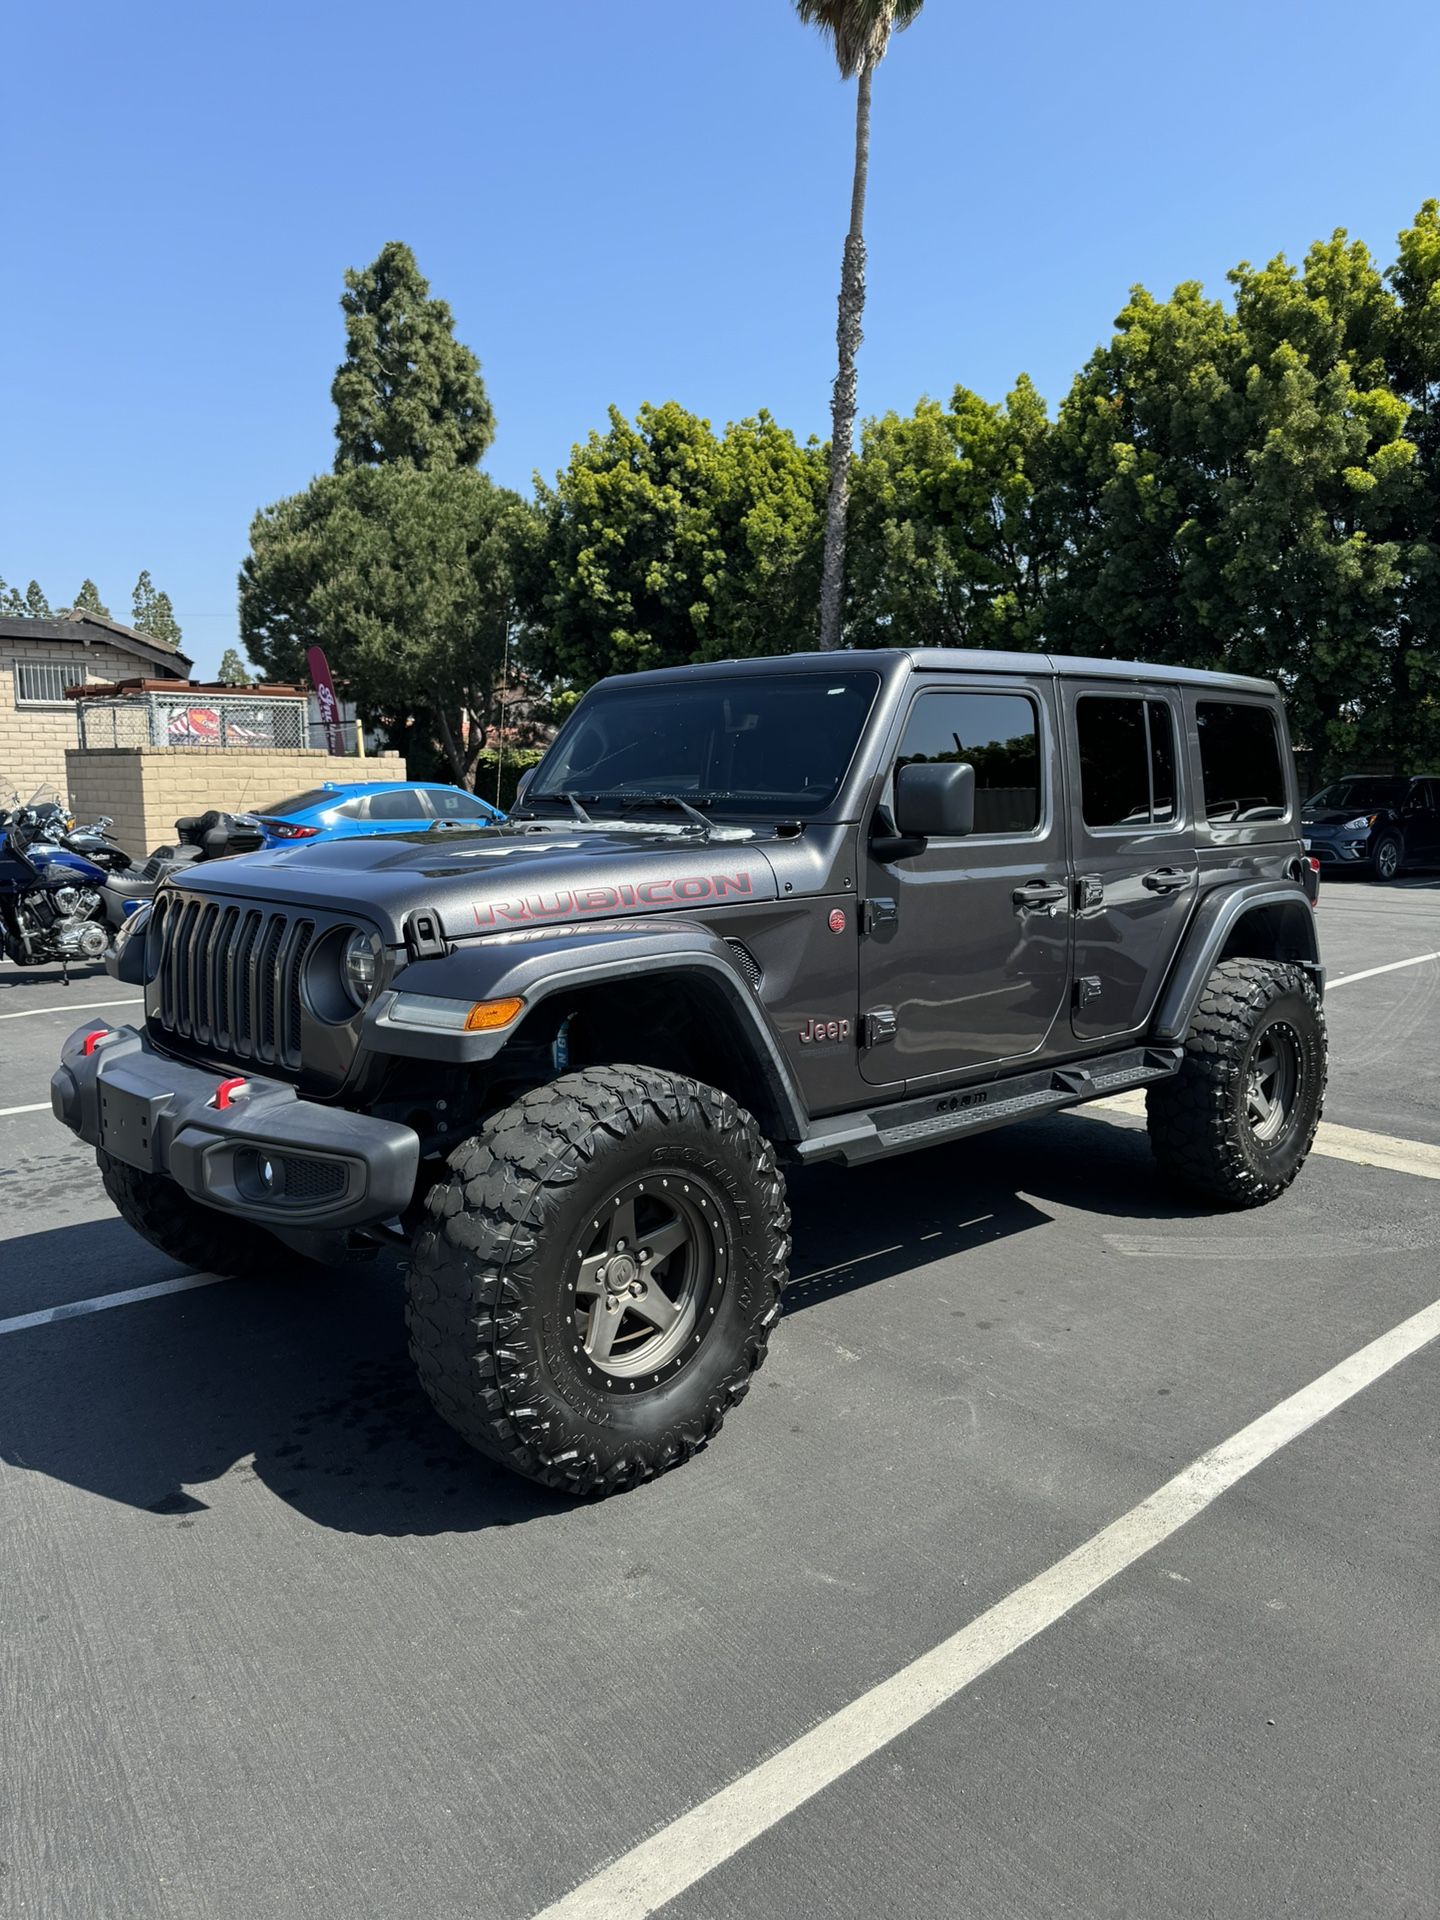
(645, 1280)
(1273, 1081)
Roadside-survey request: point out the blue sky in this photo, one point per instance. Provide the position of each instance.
(622, 200)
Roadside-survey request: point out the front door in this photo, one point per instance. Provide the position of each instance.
(1136, 874)
(964, 962)
(1422, 823)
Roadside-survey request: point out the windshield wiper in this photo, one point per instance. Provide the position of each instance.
(632, 800)
(567, 799)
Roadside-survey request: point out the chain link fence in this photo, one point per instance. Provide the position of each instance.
(221, 721)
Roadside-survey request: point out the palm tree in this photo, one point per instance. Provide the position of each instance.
(859, 32)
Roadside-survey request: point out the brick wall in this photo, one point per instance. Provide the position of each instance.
(34, 740)
(146, 790)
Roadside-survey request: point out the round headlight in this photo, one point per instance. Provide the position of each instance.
(360, 966)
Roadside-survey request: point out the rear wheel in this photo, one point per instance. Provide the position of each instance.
(596, 1282)
(1385, 857)
(196, 1236)
(1236, 1123)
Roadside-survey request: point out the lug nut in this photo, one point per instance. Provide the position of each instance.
(637, 1287)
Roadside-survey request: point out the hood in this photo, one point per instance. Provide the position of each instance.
(1337, 816)
(496, 879)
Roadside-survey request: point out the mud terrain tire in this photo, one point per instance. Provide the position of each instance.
(510, 1353)
(1225, 1125)
(196, 1236)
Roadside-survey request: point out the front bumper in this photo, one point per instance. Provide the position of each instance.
(1334, 849)
(268, 1154)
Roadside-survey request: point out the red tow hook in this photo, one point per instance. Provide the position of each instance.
(92, 1040)
(227, 1090)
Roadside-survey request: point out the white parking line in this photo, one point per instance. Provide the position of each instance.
(1332, 1142)
(7, 1112)
(81, 1006)
(1349, 979)
(73, 1309)
(662, 1867)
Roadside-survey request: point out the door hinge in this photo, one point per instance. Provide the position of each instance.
(1089, 987)
(878, 913)
(1089, 891)
(878, 1026)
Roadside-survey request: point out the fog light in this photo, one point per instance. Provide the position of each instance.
(267, 1176)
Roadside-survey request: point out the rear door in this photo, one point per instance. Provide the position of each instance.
(1136, 872)
(965, 959)
(1422, 823)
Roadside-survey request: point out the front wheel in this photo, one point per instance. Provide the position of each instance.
(1385, 857)
(595, 1283)
(1236, 1123)
(196, 1236)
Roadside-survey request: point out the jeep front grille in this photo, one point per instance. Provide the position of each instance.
(229, 977)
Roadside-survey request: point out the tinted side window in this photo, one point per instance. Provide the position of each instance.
(354, 810)
(1240, 762)
(405, 804)
(452, 805)
(999, 734)
(1127, 761)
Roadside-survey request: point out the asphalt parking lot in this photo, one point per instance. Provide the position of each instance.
(275, 1644)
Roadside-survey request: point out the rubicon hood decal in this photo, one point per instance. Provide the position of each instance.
(689, 890)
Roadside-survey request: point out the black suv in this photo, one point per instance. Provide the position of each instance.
(1375, 825)
(825, 907)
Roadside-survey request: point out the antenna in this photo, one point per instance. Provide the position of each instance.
(500, 730)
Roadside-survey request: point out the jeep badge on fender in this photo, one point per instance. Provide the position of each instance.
(573, 1089)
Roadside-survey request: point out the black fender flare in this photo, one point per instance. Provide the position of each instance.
(541, 967)
(1287, 932)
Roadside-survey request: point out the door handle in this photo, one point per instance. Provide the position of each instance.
(1166, 880)
(1041, 895)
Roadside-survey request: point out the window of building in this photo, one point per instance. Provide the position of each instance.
(43, 683)
(999, 735)
(1127, 761)
(1240, 763)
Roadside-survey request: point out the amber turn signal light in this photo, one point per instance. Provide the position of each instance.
(486, 1015)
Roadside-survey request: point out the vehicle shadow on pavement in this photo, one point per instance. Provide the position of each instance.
(18, 979)
(301, 1380)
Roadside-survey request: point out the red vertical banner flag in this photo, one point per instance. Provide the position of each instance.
(324, 687)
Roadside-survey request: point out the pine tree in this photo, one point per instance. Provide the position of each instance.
(88, 600)
(37, 606)
(408, 389)
(232, 670)
(153, 614)
(12, 603)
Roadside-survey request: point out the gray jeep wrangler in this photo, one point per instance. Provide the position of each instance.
(823, 907)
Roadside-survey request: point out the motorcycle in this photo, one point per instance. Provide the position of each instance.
(206, 836)
(51, 899)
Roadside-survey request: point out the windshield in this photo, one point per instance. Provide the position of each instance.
(773, 743)
(1358, 794)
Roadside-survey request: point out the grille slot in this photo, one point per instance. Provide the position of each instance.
(229, 977)
(749, 965)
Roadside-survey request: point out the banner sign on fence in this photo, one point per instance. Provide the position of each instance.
(324, 687)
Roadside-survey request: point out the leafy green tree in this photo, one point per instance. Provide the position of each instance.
(1412, 354)
(152, 614)
(408, 579)
(12, 603)
(665, 543)
(233, 671)
(88, 600)
(859, 34)
(407, 389)
(946, 547)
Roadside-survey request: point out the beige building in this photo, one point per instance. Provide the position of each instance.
(39, 659)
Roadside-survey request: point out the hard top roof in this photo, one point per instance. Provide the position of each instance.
(971, 660)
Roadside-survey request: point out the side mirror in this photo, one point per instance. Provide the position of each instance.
(935, 800)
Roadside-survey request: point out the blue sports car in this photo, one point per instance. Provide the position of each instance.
(337, 811)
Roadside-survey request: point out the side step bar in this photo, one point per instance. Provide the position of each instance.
(937, 1117)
